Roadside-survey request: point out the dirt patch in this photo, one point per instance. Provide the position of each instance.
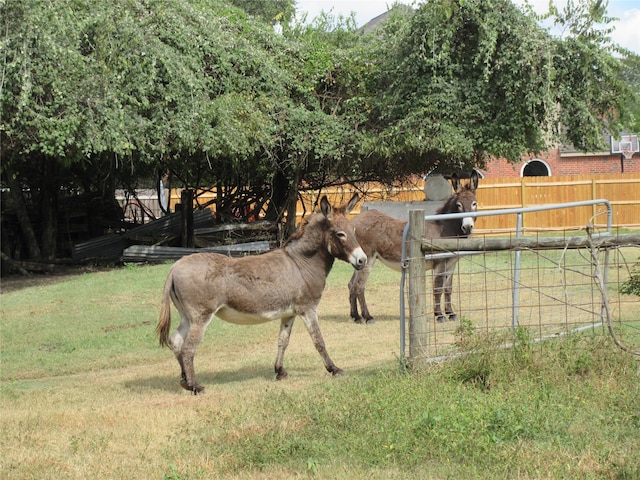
(111, 328)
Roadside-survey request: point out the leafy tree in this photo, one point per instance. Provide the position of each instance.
(116, 89)
(270, 11)
(103, 95)
(589, 75)
(631, 78)
(468, 80)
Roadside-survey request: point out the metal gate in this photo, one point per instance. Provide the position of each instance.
(551, 285)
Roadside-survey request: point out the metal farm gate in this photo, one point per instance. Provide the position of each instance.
(551, 285)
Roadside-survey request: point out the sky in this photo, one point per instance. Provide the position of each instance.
(626, 34)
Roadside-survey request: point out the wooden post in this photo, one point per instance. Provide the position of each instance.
(523, 192)
(418, 324)
(186, 231)
(594, 207)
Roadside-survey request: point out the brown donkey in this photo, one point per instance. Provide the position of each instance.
(277, 285)
(380, 236)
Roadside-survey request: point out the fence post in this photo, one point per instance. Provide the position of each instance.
(186, 230)
(418, 334)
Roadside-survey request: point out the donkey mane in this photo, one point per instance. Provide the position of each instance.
(307, 223)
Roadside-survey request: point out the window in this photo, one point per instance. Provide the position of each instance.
(536, 168)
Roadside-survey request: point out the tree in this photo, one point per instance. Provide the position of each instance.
(116, 90)
(589, 76)
(103, 95)
(466, 81)
(631, 78)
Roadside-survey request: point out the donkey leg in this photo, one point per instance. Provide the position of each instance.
(357, 287)
(310, 319)
(438, 282)
(353, 298)
(450, 266)
(176, 341)
(448, 306)
(286, 324)
(188, 352)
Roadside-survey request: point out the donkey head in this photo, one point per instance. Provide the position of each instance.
(341, 236)
(465, 200)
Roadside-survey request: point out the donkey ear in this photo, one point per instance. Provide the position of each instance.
(474, 180)
(325, 207)
(455, 182)
(352, 203)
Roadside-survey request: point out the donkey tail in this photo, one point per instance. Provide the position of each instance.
(164, 321)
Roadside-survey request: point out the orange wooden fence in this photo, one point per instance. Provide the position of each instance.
(622, 191)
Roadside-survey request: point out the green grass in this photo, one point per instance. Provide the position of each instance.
(86, 322)
(566, 411)
(87, 393)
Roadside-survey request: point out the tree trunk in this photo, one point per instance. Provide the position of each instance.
(49, 209)
(186, 205)
(26, 228)
(279, 196)
(292, 203)
(284, 200)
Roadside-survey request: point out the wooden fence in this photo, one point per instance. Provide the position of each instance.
(622, 191)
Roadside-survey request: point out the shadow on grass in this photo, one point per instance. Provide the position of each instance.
(210, 378)
(348, 320)
(58, 273)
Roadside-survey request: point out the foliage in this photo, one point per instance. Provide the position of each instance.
(493, 83)
(591, 92)
(632, 285)
(631, 78)
(103, 96)
(270, 11)
(120, 91)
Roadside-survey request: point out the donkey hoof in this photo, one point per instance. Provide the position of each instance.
(198, 390)
(441, 318)
(281, 374)
(453, 317)
(337, 372)
(358, 320)
(371, 321)
(195, 389)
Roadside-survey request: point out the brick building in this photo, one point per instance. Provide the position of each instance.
(564, 161)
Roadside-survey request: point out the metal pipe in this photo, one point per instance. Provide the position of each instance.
(538, 208)
(516, 277)
(403, 269)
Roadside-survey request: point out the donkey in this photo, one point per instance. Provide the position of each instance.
(380, 236)
(277, 285)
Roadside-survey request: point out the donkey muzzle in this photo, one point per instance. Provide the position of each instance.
(358, 258)
(467, 225)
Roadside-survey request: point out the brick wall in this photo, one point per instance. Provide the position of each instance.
(573, 164)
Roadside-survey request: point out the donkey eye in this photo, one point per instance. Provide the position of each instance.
(459, 207)
(341, 235)
(474, 205)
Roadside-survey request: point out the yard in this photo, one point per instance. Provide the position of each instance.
(87, 393)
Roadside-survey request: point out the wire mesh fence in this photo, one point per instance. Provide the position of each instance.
(548, 291)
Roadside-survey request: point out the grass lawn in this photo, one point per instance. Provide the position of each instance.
(87, 393)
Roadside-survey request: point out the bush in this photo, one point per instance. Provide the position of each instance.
(632, 286)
